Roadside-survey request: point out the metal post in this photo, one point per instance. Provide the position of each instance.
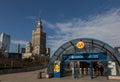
(91, 74)
(74, 63)
(107, 69)
(74, 71)
(107, 66)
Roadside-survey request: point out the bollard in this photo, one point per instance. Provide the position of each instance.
(47, 76)
(40, 75)
(80, 71)
(85, 73)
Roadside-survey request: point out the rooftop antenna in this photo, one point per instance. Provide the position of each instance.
(40, 16)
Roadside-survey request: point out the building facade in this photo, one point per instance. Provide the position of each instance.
(38, 45)
(28, 47)
(39, 39)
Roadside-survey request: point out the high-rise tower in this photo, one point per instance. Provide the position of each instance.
(39, 39)
(5, 42)
(37, 48)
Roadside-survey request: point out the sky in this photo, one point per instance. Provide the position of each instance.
(63, 20)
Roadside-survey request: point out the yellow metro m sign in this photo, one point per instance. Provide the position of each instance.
(80, 45)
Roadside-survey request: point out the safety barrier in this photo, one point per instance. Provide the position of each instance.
(7, 71)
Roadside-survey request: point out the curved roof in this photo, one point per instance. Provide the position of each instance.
(91, 46)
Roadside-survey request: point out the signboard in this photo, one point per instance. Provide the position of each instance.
(80, 45)
(57, 72)
(89, 56)
(85, 57)
(57, 68)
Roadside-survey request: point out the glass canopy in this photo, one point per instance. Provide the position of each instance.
(90, 46)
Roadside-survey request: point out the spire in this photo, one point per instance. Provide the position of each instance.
(39, 24)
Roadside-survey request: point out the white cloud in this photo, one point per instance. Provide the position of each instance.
(21, 42)
(31, 17)
(52, 26)
(105, 27)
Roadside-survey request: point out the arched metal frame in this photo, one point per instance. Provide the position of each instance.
(91, 46)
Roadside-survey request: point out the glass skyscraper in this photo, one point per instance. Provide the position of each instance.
(5, 42)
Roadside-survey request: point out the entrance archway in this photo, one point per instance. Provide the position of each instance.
(93, 51)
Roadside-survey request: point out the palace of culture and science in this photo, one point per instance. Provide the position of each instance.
(38, 45)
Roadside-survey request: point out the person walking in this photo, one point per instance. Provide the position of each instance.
(101, 70)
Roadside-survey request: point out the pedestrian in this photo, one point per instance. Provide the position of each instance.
(76, 71)
(101, 70)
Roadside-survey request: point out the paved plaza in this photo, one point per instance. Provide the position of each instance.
(32, 77)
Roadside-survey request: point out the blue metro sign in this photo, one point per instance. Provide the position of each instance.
(90, 56)
(84, 56)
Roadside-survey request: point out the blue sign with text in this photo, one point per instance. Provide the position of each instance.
(83, 57)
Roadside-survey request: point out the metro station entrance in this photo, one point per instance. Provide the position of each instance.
(81, 65)
(84, 57)
(85, 70)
